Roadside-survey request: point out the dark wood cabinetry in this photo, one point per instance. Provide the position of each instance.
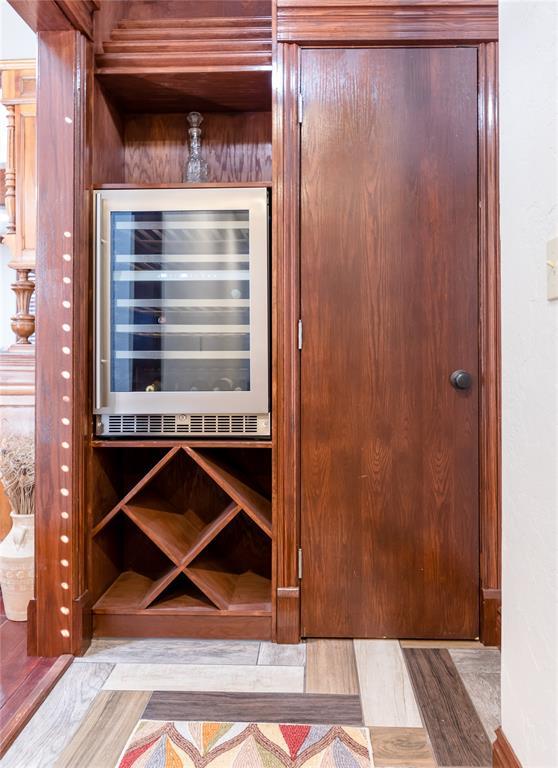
(345, 121)
(181, 531)
(389, 280)
(181, 540)
(201, 538)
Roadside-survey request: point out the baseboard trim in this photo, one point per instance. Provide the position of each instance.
(82, 628)
(503, 755)
(32, 628)
(490, 629)
(288, 615)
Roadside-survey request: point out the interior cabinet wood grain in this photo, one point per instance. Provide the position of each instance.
(236, 146)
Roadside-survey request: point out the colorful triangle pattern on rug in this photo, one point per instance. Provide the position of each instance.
(165, 744)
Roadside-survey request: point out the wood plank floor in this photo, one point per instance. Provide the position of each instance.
(54, 724)
(426, 706)
(103, 733)
(25, 681)
(380, 663)
(338, 658)
(207, 677)
(256, 707)
(456, 732)
(480, 672)
(401, 746)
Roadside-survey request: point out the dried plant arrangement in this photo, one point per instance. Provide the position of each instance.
(17, 472)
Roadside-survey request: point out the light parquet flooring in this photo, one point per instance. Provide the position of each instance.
(105, 729)
(194, 677)
(331, 667)
(161, 651)
(385, 687)
(25, 681)
(307, 708)
(442, 644)
(427, 706)
(401, 746)
(58, 718)
(282, 655)
(455, 729)
(480, 673)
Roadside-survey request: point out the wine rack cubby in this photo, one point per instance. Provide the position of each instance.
(181, 540)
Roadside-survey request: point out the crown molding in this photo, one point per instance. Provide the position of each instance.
(413, 21)
(57, 15)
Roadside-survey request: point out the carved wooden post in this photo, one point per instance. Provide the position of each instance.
(19, 97)
(22, 323)
(10, 177)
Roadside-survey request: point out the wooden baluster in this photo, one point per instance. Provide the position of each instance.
(10, 176)
(22, 323)
(18, 98)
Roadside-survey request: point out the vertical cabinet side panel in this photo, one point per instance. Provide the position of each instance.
(286, 310)
(62, 303)
(490, 408)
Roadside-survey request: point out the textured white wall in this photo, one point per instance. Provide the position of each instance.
(529, 207)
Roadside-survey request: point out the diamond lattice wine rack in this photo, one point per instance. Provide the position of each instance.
(181, 541)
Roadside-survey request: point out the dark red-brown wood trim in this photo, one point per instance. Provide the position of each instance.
(215, 626)
(62, 400)
(286, 397)
(413, 21)
(490, 619)
(57, 15)
(80, 14)
(285, 317)
(489, 346)
(42, 15)
(503, 755)
(20, 708)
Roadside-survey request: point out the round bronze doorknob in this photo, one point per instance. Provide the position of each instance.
(461, 380)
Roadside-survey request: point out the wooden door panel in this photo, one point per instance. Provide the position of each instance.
(389, 302)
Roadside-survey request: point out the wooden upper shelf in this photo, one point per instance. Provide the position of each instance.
(212, 64)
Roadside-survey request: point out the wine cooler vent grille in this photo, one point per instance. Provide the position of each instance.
(183, 424)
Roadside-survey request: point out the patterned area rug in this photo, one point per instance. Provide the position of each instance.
(158, 744)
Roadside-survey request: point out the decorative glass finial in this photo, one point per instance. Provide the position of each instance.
(196, 167)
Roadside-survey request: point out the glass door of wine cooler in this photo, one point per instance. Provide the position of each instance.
(182, 301)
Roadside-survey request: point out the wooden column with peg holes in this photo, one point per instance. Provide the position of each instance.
(62, 404)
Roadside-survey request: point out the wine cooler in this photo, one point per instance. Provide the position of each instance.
(181, 312)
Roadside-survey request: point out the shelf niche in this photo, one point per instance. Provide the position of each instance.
(151, 73)
(213, 63)
(143, 148)
(192, 537)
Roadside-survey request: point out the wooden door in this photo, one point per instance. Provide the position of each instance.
(389, 304)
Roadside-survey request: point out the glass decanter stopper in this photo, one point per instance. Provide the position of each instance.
(196, 167)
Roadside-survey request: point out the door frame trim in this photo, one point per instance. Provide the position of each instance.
(286, 381)
(286, 396)
(490, 437)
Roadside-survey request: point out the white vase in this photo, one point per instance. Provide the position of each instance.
(17, 570)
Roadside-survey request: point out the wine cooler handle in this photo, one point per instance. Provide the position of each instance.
(100, 361)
